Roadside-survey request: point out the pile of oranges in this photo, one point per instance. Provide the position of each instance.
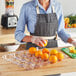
(53, 56)
(67, 23)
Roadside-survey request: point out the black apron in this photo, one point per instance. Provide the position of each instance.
(46, 25)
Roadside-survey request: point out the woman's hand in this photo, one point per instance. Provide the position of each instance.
(34, 39)
(71, 41)
(74, 43)
(38, 41)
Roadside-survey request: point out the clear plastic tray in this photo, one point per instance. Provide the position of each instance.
(25, 60)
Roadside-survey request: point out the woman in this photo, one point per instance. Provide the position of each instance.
(43, 18)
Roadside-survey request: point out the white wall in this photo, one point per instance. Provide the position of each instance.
(17, 6)
(69, 6)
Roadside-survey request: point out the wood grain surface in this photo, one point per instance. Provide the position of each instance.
(7, 35)
(9, 69)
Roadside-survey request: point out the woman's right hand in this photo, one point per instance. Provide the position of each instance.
(34, 39)
(38, 41)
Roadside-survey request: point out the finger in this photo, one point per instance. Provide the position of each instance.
(37, 44)
(41, 43)
(43, 40)
(37, 41)
(47, 40)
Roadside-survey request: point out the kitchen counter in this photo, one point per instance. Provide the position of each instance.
(72, 32)
(65, 66)
(7, 35)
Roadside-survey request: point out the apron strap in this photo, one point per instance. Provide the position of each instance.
(53, 9)
(37, 8)
(38, 11)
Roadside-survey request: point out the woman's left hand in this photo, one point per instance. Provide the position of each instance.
(74, 43)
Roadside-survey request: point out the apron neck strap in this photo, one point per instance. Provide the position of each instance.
(53, 9)
(38, 11)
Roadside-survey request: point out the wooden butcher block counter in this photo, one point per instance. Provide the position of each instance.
(7, 35)
(66, 65)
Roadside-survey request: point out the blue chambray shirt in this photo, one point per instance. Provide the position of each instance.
(28, 16)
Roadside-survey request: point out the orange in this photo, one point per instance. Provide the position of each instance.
(32, 50)
(53, 52)
(45, 50)
(72, 48)
(74, 25)
(38, 53)
(45, 56)
(67, 20)
(73, 51)
(53, 59)
(60, 56)
(42, 57)
(45, 44)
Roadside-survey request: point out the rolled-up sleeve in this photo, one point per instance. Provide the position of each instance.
(61, 30)
(19, 33)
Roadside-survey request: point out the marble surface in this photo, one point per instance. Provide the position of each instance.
(72, 32)
(69, 74)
